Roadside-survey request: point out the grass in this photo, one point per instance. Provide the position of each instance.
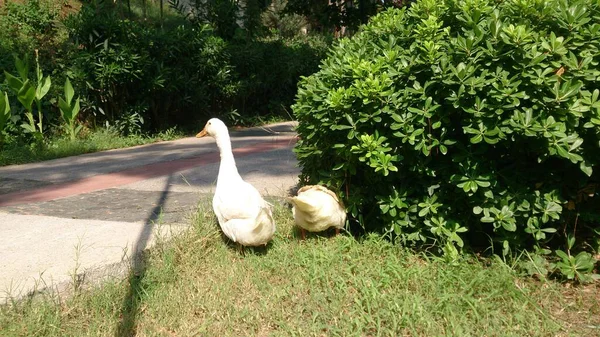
(106, 139)
(99, 140)
(199, 285)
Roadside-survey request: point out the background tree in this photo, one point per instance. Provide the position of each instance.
(340, 16)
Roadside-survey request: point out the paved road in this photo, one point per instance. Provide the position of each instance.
(83, 216)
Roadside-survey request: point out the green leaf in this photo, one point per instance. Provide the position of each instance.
(443, 149)
(69, 93)
(76, 108)
(65, 110)
(431, 189)
(562, 151)
(42, 89)
(584, 262)
(392, 212)
(566, 90)
(77, 129)
(418, 132)
(483, 183)
(14, 83)
(562, 254)
(22, 67)
(4, 109)
(509, 226)
(585, 168)
(340, 127)
(577, 143)
(26, 95)
(476, 139)
(28, 128)
(570, 241)
(473, 186)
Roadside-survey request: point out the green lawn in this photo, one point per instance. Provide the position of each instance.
(199, 285)
(99, 140)
(103, 139)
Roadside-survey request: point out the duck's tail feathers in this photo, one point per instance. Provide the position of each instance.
(304, 205)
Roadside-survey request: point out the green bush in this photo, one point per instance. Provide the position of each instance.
(269, 70)
(140, 75)
(31, 30)
(165, 75)
(455, 121)
(26, 26)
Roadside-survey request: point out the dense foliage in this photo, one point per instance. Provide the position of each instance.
(327, 14)
(269, 70)
(137, 71)
(165, 76)
(25, 27)
(470, 120)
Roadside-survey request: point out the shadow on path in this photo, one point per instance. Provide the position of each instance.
(132, 301)
(130, 175)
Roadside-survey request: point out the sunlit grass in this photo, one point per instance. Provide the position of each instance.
(199, 285)
(99, 140)
(14, 153)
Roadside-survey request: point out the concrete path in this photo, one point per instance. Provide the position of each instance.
(79, 219)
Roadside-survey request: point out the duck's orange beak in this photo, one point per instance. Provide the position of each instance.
(202, 133)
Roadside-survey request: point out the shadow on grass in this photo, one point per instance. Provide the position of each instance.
(132, 301)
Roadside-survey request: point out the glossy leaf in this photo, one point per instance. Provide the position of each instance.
(43, 88)
(4, 110)
(26, 95)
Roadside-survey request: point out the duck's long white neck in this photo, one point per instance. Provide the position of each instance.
(228, 172)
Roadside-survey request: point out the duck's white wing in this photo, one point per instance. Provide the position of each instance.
(243, 202)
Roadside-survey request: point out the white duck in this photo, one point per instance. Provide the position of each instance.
(244, 216)
(316, 209)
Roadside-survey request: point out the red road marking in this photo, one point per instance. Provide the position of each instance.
(128, 176)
